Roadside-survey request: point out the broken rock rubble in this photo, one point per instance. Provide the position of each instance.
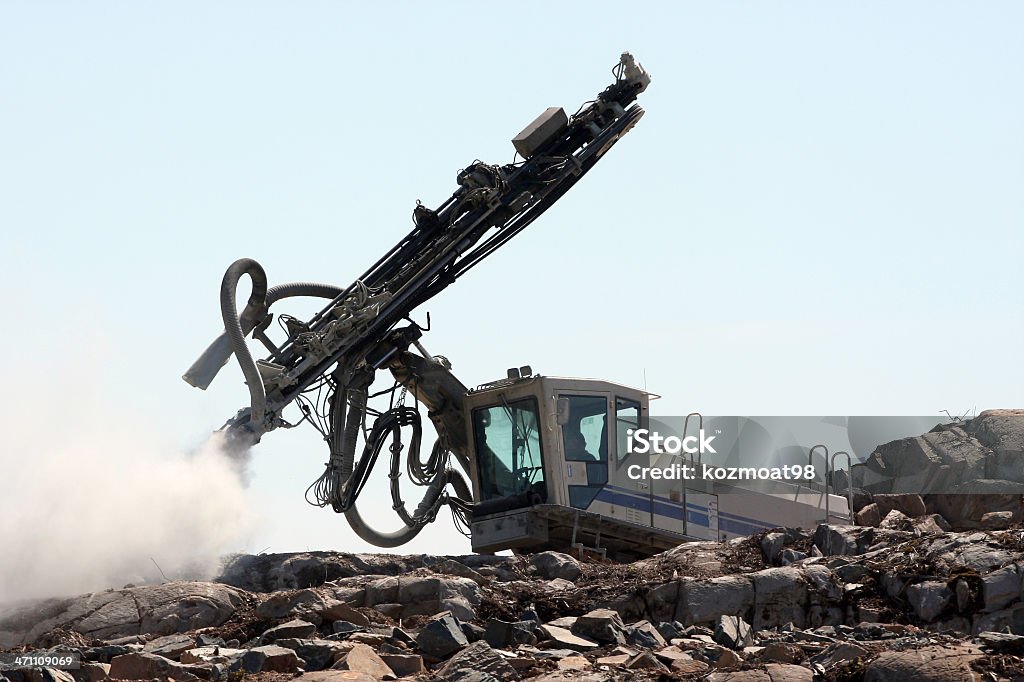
(847, 602)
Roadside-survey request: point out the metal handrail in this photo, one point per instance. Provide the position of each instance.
(849, 483)
(810, 462)
(700, 425)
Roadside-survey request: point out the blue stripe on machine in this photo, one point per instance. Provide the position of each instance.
(739, 521)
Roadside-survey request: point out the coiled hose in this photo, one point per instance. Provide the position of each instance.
(238, 326)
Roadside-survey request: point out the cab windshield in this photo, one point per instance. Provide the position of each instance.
(508, 451)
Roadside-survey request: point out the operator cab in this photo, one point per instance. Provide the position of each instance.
(543, 450)
(550, 469)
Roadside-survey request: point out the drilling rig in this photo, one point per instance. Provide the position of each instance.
(544, 456)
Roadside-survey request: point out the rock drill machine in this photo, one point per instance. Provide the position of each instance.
(542, 454)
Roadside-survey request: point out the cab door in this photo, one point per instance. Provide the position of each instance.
(584, 439)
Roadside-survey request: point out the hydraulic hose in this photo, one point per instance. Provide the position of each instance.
(254, 309)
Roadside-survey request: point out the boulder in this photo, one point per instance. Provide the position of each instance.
(364, 659)
(404, 665)
(268, 658)
(170, 646)
(782, 672)
(479, 659)
(441, 638)
(293, 629)
(47, 675)
(780, 596)
(997, 520)
(556, 565)
(909, 505)
(502, 634)
(566, 639)
(644, 634)
(601, 625)
(1001, 587)
(304, 604)
(926, 664)
(771, 545)
(897, 520)
(1003, 642)
(318, 654)
(334, 611)
(929, 598)
(703, 601)
(144, 666)
(148, 610)
(869, 516)
(733, 632)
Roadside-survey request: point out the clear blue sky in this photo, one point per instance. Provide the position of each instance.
(821, 212)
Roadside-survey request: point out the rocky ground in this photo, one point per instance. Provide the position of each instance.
(907, 600)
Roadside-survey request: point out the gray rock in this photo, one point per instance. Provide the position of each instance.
(318, 654)
(293, 629)
(304, 604)
(473, 631)
(153, 609)
(670, 631)
(104, 654)
(840, 652)
(929, 525)
(269, 658)
(926, 664)
(1006, 620)
(170, 646)
(780, 596)
(1003, 642)
(962, 590)
(334, 611)
(703, 601)
(404, 665)
(644, 634)
(441, 638)
(824, 583)
(929, 598)
(502, 634)
(997, 520)
(782, 652)
(363, 659)
(342, 627)
(733, 632)
(910, 505)
(897, 520)
(1001, 587)
(480, 662)
(556, 565)
(211, 654)
(645, 660)
(601, 625)
(771, 545)
(783, 672)
(144, 666)
(48, 675)
(869, 516)
(425, 595)
(565, 638)
(841, 540)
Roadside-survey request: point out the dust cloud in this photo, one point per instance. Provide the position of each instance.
(96, 501)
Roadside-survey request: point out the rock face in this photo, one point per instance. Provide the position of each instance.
(155, 609)
(778, 606)
(960, 471)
